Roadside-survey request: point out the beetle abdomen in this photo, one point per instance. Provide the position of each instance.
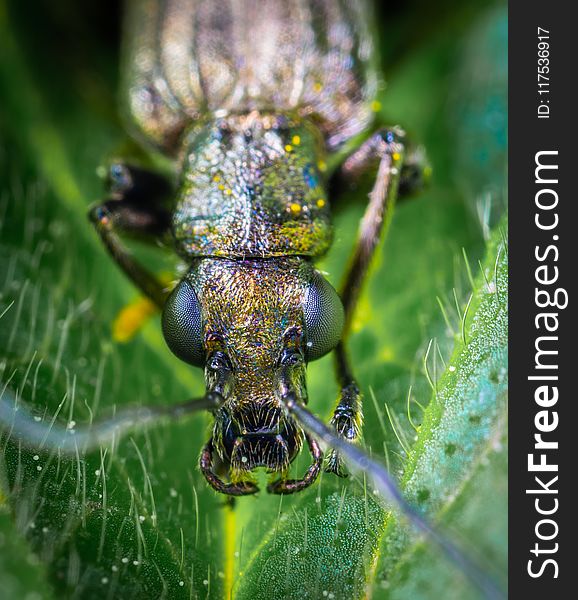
(188, 58)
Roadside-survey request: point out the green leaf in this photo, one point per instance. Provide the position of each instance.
(140, 521)
(21, 572)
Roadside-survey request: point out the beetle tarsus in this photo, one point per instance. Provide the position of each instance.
(346, 421)
(415, 173)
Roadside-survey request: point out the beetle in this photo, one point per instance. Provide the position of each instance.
(252, 100)
(261, 106)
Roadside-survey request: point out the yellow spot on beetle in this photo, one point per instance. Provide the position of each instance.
(296, 140)
(288, 148)
(320, 203)
(295, 208)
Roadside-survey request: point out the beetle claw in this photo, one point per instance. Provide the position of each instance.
(241, 488)
(333, 463)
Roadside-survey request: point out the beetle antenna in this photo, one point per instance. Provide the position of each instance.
(17, 420)
(358, 460)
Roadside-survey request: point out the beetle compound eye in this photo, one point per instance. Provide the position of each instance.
(324, 318)
(182, 325)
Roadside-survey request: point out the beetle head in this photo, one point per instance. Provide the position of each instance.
(253, 325)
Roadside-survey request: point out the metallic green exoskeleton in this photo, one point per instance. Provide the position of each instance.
(252, 99)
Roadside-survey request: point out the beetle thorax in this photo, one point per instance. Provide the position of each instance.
(253, 186)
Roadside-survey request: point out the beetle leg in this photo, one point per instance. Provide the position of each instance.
(415, 171)
(242, 488)
(290, 486)
(347, 416)
(135, 208)
(387, 149)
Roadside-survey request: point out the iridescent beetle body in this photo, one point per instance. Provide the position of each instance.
(188, 60)
(250, 99)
